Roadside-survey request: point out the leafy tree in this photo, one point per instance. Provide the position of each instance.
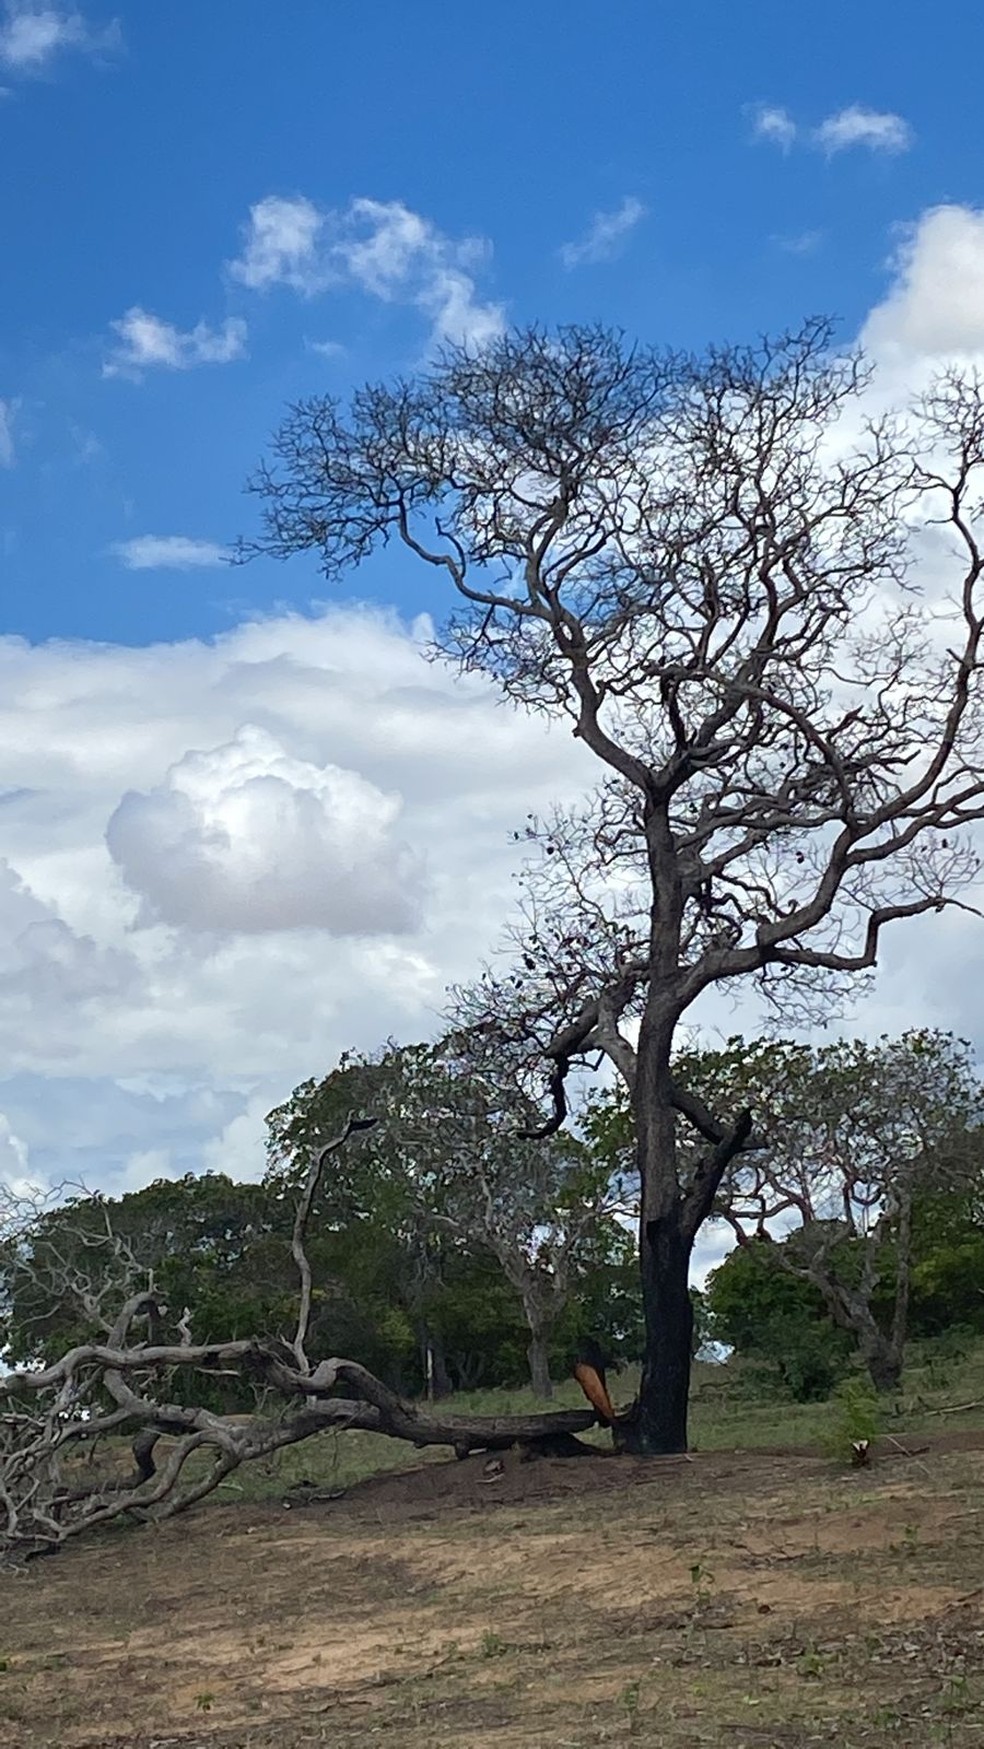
(773, 1315)
(200, 1239)
(851, 1136)
(948, 1260)
(694, 561)
(448, 1156)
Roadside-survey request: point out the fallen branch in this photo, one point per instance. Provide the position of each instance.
(118, 1386)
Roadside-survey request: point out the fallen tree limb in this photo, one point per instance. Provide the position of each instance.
(43, 1510)
(117, 1386)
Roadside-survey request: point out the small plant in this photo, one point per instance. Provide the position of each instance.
(702, 1582)
(492, 1645)
(854, 1421)
(910, 1538)
(811, 1665)
(955, 1697)
(629, 1700)
(204, 1702)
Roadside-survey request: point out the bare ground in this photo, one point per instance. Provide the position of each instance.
(745, 1599)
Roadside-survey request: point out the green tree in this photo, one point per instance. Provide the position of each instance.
(450, 1163)
(766, 1312)
(852, 1136)
(672, 552)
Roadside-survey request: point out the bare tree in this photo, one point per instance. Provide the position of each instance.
(697, 563)
(61, 1422)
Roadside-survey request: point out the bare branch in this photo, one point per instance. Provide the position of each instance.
(301, 1218)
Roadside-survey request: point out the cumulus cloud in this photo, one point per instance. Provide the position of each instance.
(878, 130)
(247, 838)
(169, 552)
(935, 305)
(146, 342)
(605, 235)
(367, 770)
(8, 454)
(32, 35)
(381, 247)
(773, 124)
(54, 979)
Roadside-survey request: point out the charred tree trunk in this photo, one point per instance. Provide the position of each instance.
(671, 1217)
(660, 1422)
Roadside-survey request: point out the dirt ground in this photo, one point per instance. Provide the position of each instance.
(747, 1599)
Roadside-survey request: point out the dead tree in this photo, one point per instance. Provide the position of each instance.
(705, 564)
(84, 1402)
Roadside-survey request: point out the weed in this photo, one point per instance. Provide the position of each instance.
(629, 1701)
(853, 1420)
(703, 1584)
(811, 1665)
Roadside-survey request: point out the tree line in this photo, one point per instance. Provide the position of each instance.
(450, 1253)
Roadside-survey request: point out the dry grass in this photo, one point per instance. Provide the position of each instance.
(738, 1599)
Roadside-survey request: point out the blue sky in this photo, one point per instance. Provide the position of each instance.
(136, 145)
(243, 831)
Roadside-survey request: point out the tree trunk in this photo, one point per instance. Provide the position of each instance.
(850, 1309)
(883, 1361)
(437, 1382)
(660, 1421)
(539, 1365)
(903, 1277)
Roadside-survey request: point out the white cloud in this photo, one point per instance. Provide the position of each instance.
(776, 125)
(880, 131)
(800, 243)
(935, 306)
(247, 838)
(19, 1189)
(281, 245)
(8, 454)
(147, 343)
(169, 552)
(55, 980)
(374, 794)
(32, 35)
(604, 235)
(382, 248)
